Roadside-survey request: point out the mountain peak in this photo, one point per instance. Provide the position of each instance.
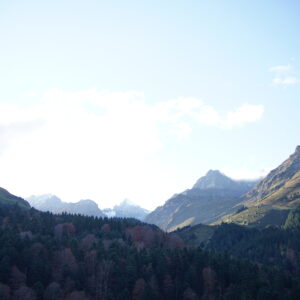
(214, 179)
(214, 173)
(127, 202)
(297, 151)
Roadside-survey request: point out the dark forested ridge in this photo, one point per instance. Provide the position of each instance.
(46, 256)
(273, 246)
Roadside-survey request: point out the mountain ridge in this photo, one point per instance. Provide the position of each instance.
(127, 209)
(211, 197)
(50, 202)
(270, 201)
(6, 198)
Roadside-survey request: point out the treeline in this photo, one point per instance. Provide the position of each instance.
(55, 257)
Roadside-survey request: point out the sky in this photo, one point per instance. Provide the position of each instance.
(107, 100)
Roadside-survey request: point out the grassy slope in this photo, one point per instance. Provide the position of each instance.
(258, 216)
(287, 196)
(7, 198)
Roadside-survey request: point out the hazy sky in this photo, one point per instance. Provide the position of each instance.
(109, 100)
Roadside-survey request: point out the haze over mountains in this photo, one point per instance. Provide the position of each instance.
(49, 202)
(126, 209)
(55, 205)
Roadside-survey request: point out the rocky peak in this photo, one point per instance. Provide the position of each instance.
(214, 173)
(295, 157)
(214, 179)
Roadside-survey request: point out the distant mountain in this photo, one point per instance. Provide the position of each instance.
(54, 204)
(7, 198)
(269, 202)
(127, 209)
(212, 197)
(214, 179)
(46, 202)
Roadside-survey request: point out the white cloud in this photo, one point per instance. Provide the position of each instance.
(246, 173)
(244, 114)
(286, 80)
(283, 75)
(281, 69)
(178, 110)
(99, 145)
(181, 130)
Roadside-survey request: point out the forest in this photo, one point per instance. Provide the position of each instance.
(55, 257)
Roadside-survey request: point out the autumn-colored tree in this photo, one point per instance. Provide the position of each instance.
(139, 288)
(106, 228)
(209, 277)
(173, 241)
(87, 242)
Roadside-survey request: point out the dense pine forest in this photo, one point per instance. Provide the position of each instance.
(273, 246)
(53, 257)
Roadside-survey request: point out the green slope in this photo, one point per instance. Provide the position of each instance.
(258, 216)
(270, 201)
(7, 198)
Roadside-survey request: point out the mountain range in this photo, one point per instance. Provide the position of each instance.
(52, 203)
(212, 197)
(49, 202)
(126, 209)
(216, 198)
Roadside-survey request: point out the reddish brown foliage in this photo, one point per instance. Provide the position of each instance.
(144, 236)
(67, 229)
(138, 289)
(173, 241)
(87, 242)
(210, 280)
(105, 228)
